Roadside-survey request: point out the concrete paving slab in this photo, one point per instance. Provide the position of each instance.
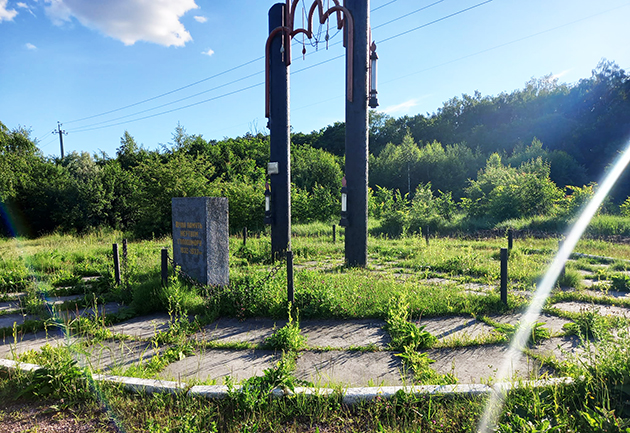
(60, 300)
(456, 328)
(106, 355)
(10, 346)
(478, 287)
(10, 307)
(438, 281)
(101, 310)
(586, 274)
(229, 330)
(219, 364)
(8, 320)
(559, 347)
(478, 364)
(13, 296)
(343, 334)
(554, 323)
(601, 292)
(143, 327)
(604, 310)
(351, 368)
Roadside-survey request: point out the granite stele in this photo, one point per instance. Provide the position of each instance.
(200, 238)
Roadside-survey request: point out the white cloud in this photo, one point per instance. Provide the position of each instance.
(201, 19)
(129, 21)
(22, 5)
(403, 107)
(208, 53)
(6, 14)
(30, 46)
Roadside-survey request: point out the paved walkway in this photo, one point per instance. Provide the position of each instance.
(348, 353)
(340, 353)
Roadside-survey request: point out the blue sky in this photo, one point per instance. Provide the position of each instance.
(73, 60)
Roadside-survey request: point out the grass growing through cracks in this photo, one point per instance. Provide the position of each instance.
(405, 278)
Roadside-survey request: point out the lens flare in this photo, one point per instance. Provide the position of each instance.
(494, 406)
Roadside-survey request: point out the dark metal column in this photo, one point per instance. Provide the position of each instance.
(279, 138)
(357, 138)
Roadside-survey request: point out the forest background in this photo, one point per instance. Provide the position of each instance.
(527, 159)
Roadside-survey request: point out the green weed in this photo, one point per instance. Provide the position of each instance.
(537, 331)
(288, 338)
(588, 324)
(403, 333)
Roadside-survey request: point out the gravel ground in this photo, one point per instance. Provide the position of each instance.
(46, 417)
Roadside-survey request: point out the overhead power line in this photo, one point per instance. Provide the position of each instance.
(174, 109)
(407, 14)
(171, 103)
(86, 129)
(434, 22)
(168, 93)
(37, 140)
(89, 128)
(207, 79)
(507, 43)
(382, 6)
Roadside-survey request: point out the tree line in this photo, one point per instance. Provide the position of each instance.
(534, 151)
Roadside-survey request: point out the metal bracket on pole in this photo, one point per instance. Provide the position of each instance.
(344, 19)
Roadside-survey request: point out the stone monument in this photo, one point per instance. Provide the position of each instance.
(200, 238)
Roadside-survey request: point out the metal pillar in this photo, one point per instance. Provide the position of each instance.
(279, 136)
(357, 137)
(504, 275)
(116, 264)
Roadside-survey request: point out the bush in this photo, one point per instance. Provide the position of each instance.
(502, 192)
(394, 210)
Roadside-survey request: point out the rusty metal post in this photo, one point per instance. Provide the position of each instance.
(290, 289)
(563, 271)
(116, 264)
(279, 135)
(164, 266)
(504, 275)
(357, 135)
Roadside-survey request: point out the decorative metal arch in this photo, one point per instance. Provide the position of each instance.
(344, 18)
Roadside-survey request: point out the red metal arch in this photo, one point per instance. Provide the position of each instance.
(344, 18)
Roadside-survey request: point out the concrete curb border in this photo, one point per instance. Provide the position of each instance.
(591, 256)
(351, 396)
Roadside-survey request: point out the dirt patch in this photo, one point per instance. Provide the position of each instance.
(43, 417)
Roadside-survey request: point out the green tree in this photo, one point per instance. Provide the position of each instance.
(159, 180)
(311, 167)
(503, 192)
